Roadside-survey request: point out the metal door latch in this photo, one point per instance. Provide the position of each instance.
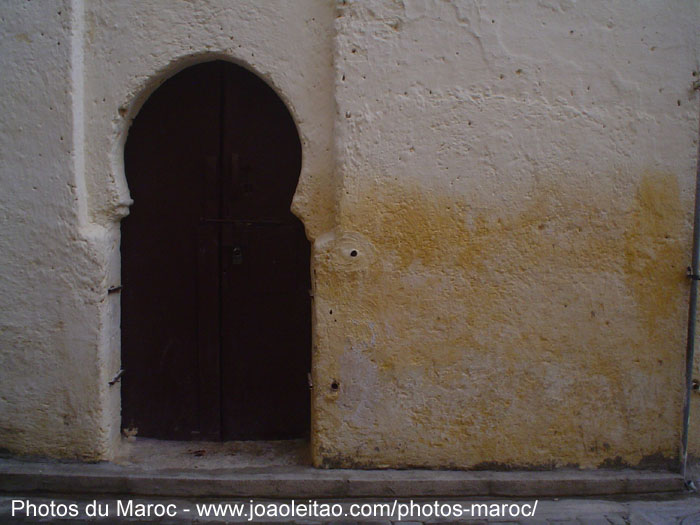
(236, 255)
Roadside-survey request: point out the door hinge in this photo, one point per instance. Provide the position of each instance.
(117, 377)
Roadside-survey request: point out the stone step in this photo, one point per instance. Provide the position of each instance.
(305, 482)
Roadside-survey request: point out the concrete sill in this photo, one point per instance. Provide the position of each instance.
(282, 469)
(306, 482)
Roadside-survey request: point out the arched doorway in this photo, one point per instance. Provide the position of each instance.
(216, 328)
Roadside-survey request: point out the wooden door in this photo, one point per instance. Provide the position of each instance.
(215, 268)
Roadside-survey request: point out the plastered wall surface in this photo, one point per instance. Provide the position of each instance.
(499, 196)
(517, 183)
(51, 276)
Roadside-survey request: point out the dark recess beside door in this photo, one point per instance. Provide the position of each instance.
(216, 328)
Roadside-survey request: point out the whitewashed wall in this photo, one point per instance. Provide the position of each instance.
(516, 177)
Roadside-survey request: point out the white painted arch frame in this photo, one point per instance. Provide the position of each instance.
(111, 94)
(117, 206)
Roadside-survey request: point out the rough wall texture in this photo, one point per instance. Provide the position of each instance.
(516, 181)
(499, 195)
(52, 278)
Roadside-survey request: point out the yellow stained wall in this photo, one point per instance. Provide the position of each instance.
(542, 338)
(506, 285)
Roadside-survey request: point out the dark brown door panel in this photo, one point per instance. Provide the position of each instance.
(215, 268)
